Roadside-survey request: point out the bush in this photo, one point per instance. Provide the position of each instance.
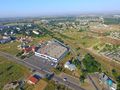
(59, 68)
(82, 78)
(77, 63)
(19, 54)
(22, 57)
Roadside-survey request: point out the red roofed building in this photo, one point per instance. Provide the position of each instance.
(29, 49)
(32, 80)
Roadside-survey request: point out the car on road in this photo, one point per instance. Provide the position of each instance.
(64, 79)
(52, 64)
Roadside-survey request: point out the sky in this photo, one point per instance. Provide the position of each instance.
(20, 8)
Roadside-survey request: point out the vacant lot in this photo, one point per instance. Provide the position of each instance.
(40, 85)
(10, 71)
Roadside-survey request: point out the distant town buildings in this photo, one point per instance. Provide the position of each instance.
(88, 20)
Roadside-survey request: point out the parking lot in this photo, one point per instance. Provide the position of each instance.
(44, 64)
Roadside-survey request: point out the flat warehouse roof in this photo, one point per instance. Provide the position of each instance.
(53, 49)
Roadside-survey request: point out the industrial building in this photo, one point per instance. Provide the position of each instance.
(52, 50)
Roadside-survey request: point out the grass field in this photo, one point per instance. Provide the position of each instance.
(10, 71)
(83, 38)
(10, 47)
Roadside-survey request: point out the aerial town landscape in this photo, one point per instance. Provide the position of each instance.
(62, 52)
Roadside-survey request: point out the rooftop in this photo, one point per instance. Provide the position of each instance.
(70, 66)
(53, 49)
(33, 79)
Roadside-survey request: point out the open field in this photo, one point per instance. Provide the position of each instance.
(10, 47)
(83, 38)
(10, 71)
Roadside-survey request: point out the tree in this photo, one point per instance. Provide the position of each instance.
(82, 78)
(118, 79)
(77, 63)
(91, 64)
(59, 67)
(118, 83)
(114, 73)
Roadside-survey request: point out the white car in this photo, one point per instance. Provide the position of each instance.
(64, 79)
(52, 64)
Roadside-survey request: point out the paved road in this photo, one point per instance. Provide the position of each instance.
(27, 64)
(67, 83)
(93, 82)
(70, 78)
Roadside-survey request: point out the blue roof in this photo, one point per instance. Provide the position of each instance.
(109, 82)
(37, 76)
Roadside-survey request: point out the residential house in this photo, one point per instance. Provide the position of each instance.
(32, 80)
(108, 81)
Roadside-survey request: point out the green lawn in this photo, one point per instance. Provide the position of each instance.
(10, 71)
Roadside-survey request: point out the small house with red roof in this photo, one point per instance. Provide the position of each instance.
(32, 80)
(27, 50)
